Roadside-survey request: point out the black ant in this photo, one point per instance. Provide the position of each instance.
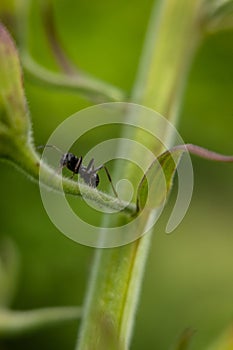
(88, 173)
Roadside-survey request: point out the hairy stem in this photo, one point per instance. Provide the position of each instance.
(27, 160)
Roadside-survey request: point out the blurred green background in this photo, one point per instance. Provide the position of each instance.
(189, 275)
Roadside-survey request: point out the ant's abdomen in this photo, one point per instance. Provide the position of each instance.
(95, 180)
(90, 179)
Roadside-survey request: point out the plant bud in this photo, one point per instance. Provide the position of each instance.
(14, 117)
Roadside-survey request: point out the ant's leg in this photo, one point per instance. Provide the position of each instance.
(77, 166)
(110, 180)
(90, 166)
(108, 175)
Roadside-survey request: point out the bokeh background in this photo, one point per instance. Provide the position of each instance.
(189, 274)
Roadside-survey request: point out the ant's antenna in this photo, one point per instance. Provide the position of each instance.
(52, 146)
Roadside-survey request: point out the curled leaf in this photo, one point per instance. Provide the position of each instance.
(158, 179)
(164, 167)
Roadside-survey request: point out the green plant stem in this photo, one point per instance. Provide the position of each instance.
(16, 141)
(115, 283)
(28, 161)
(89, 87)
(16, 323)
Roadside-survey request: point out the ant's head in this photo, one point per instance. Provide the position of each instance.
(71, 162)
(66, 159)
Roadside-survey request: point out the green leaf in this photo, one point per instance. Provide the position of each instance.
(158, 179)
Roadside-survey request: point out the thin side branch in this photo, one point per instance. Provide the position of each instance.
(204, 153)
(91, 88)
(49, 24)
(17, 323)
